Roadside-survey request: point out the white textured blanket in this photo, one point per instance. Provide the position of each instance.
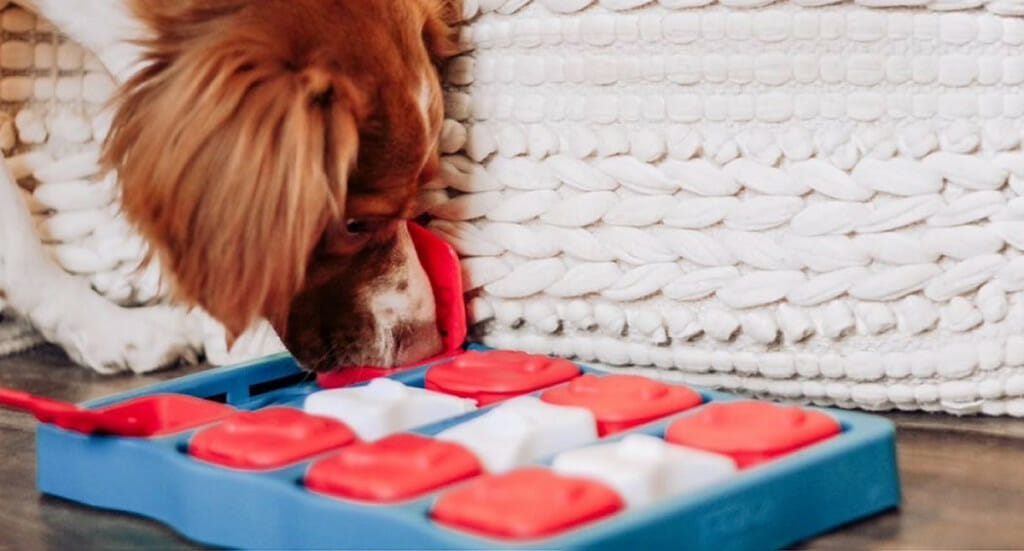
(53, 95)
(813, 200)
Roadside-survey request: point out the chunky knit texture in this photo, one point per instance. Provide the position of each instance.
(52, 94)
(812, 200)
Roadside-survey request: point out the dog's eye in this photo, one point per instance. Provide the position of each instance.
(357, 226)
(348, 236)
(344, 238)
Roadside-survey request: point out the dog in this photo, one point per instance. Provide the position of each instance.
(269, 152)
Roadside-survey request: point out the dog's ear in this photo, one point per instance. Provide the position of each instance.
(441, 29)
(232, 161)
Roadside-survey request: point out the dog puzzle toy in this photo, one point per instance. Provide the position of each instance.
(722, 472)
(472, 449)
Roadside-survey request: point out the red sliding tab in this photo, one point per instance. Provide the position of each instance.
(398, 467)
(156, 415)
(524, 504)
(268, 438)
(751, 432)
(492, 376)
(165, 414)
(619, 402)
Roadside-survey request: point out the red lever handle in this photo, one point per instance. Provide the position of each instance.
(71, 417)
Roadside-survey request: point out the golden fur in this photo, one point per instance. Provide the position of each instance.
(268, 147)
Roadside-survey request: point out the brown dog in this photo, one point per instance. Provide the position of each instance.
(270, 151)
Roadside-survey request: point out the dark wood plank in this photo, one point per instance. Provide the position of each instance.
(961, 479)
(961, 489)
(29, 521)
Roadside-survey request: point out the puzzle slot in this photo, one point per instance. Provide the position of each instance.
(752, 432)
(277, 384)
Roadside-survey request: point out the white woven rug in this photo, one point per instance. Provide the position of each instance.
(51, 94)
(814, 200)
(52, 122)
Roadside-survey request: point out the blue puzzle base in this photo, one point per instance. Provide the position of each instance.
(772, 505)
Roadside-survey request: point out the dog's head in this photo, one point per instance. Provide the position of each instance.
(270, 151)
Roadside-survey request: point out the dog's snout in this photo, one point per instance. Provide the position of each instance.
(383, 315)
(416, 342)
(403, 305)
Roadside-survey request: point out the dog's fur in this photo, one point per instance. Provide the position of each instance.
(270, 151)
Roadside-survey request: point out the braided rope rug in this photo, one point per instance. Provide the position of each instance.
(814, 199)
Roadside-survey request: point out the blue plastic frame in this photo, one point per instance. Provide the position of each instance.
(769, 506)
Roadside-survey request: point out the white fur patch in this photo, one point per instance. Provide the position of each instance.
(392, 306)
(426, 96)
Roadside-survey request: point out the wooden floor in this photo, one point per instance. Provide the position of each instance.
(963, 479)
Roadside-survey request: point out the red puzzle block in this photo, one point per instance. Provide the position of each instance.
(623, 401)
(751, 432)
(527, 503)
(395, 468)
(164, 414)
(492, 376)
(268, 438)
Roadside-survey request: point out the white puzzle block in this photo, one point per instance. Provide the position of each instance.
(522, 430)
(385, 406)
(645, 469)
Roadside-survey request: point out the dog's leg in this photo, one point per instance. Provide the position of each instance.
(65, 309)
(108, 29)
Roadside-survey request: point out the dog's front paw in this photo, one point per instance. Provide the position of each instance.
(136, 339)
